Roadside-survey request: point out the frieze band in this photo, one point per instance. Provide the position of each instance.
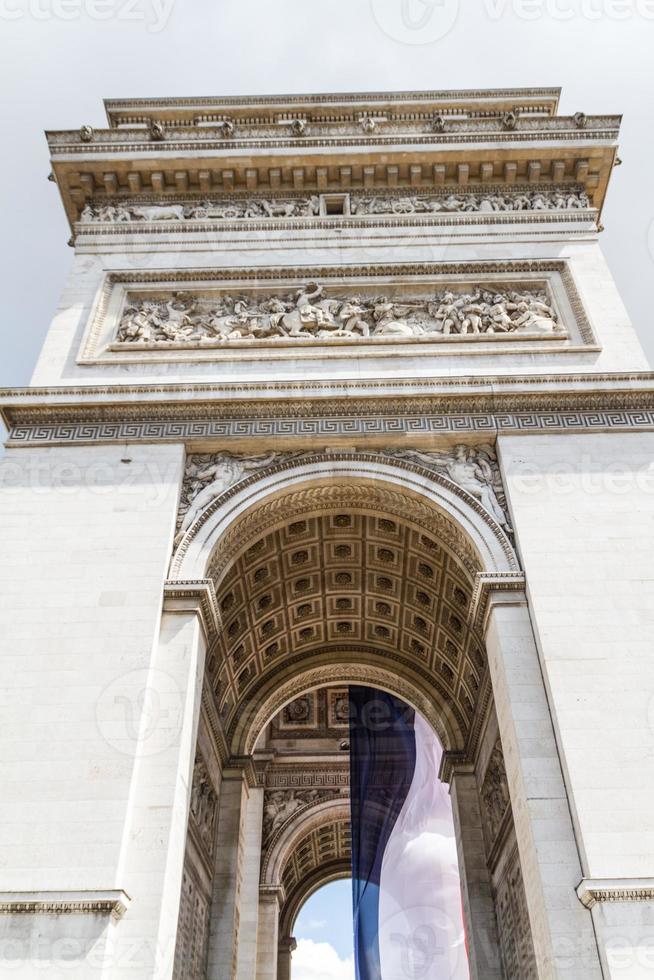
(314, 205)
(173, 430)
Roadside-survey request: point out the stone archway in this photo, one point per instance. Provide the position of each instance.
(355, 568)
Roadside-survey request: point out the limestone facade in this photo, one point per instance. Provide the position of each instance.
(340, 390)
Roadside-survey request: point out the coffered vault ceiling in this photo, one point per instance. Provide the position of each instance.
(324, 586)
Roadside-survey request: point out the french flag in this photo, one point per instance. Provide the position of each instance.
(408, 918)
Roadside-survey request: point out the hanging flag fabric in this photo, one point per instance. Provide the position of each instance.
(408, 918)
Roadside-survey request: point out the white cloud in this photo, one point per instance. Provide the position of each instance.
(319, 961)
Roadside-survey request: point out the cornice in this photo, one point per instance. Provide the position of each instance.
(460, 131)
(305, 413)
(330, 142)
(591, 891)
(197, 596)
(546, 99)
(112, 902)
(311, 395)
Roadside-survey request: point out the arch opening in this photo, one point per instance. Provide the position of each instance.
(323, 931)
(337, 572)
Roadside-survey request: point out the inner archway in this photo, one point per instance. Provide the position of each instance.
(323, 934)
(307, 807)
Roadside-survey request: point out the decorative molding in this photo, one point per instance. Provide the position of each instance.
(325, 430)
(500, 391)
(199, 596)
(434, 225)
(472, 471)
(331, 499)
(593, 891)
(111, 902)
(267, 136)
(494, 584)
(528, 99)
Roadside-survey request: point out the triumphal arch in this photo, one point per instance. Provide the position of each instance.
(339, 391)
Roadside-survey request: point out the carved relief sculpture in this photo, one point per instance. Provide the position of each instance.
(473, 468)
(495, 791)
(310, 313)
(230, 209)
(281, 804)
(207, 475)
(203, 805)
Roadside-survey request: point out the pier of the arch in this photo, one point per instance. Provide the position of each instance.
(335, 570)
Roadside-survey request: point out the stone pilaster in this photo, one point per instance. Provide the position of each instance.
(478, 905)
(268, 933)
(152, 860)
(285, 950)
(235, 906)
(562, 930)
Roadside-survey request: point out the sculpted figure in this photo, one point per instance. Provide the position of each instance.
(471, 469)
(499, 311)
(448, 314)
(282, 804)
(307, 317)
(386, 316)
(472, 312)
(405, 205)
(474, 468)
(207, 477)
(534, 314)
(178, 323)
(159, 212)
(138, 324)
(350, 316)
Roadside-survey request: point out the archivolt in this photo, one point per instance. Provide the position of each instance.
(256, 714)
(431, 500)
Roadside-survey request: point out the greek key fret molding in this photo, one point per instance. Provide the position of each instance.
(207, 430)
(592, 891)
(112, 902)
